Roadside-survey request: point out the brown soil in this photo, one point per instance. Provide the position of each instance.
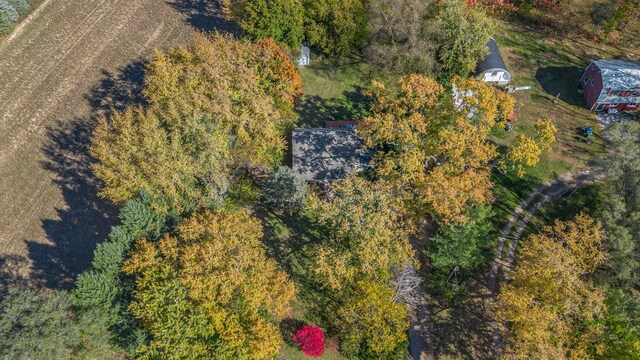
(66, 63)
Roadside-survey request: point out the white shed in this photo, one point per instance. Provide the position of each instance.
(305, 55)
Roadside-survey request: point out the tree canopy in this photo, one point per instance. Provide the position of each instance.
(215, 106)
(280, 20)
(336, 27)
(433, 143)
(620, 199)
(209, 292)
(550, 302)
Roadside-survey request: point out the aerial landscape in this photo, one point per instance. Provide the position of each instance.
(329, 179)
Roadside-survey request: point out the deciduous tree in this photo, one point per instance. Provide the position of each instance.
(371, 324)
(368, 233)
(337, 27)
(217, 106)
(460, 244)
(550, 302)
(461, 41)
(281, 20)
(210, 291)
(433, 144)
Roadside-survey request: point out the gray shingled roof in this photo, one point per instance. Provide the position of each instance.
(619, 74)
(492, 61)
(326, 154)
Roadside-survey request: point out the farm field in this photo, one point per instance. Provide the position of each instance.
(67, 62)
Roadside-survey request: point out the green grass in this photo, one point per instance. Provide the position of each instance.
(332, 91)
(551, 66)
(290, 240)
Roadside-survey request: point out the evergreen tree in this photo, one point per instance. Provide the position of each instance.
(44, 326)
(21, 6)
(620, 201)
(103, 286)
(283, 190)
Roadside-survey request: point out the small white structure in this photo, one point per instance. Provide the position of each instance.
(492, 69)
(305, 55)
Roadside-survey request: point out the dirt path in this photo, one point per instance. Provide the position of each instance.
(68, 61)
(512, 232)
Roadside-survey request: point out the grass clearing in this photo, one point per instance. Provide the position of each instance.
(290, 240)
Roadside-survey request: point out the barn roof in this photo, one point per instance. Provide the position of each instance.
(493, 60)
(327, 154)
(619, 74)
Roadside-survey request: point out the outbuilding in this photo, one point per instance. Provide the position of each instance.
(611, 85)
(492, 68)
(305, 55)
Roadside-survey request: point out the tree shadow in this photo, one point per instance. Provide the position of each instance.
(288, 328)
(117, 90)
(85, 219)
(11, 276)
(205, 15)
(290, 240)
(562, 80)
(314, 110)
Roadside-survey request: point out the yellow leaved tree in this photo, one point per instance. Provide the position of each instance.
(209, 292)
(368, 233)
(550, 301)
(433, 143)
(215, 107)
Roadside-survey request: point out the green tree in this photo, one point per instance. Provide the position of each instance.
(281, 20)
(620, 200)
(371, 324)
(209, 292)
(622, 325)
(283, 190)
(461, 41)
(44, 326)
(460, 244)
(336, 27)
(103, 287)
(6, 24)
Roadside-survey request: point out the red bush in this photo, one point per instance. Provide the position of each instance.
(311, 340)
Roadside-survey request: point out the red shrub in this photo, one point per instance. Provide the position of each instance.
(311, 340)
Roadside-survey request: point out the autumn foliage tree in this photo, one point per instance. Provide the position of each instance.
(371, 325)
(433, 148)
(311, 340)
(551, 302)
(215, 107)
(368, 233)
(209, 291)
(368, 238)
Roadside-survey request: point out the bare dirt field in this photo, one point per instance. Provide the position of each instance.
(67, 62)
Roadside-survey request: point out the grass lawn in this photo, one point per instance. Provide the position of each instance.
(290, 241)
(551, 66)
(332, 91)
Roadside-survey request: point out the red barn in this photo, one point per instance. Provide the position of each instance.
(612, 84)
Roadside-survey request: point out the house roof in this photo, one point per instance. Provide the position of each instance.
(326, 154)
(619, 74)
(492, 61)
